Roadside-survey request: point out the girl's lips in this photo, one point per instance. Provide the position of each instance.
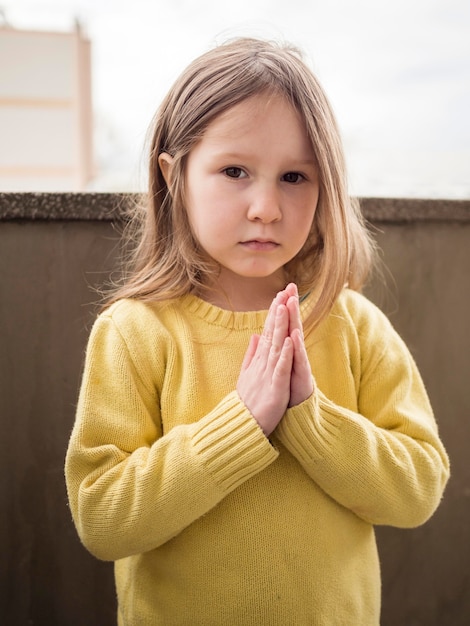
(259, 245)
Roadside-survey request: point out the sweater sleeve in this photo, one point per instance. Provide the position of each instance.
(131, 487)
(385, 461)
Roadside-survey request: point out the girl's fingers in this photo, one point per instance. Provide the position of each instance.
(267, 348)
(265, 376)
(250, 352)
(301, 364)
(275, 328)
(270, 322)
(283, 365)
(300, 353)
(302, 384)
(295, 321)
(291, 290)
(281, 327)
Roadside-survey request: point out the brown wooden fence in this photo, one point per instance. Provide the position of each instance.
(54, 250)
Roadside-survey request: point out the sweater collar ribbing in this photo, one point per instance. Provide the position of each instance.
(238, 320)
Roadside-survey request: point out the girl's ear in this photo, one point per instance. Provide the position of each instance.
(165, 161)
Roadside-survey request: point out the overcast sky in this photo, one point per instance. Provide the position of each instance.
(397, 73)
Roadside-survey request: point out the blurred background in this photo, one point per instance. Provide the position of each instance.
(80, 81)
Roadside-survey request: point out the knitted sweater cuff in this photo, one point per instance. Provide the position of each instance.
(231, 443)
(310, 428)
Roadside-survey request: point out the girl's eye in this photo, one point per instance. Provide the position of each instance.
(234, 172)
(293, 177)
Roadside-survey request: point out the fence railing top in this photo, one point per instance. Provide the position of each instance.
(116, 207)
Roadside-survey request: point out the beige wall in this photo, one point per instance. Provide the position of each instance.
(45, 111)
(49, 269)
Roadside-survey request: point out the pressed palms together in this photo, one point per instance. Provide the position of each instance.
(275, 372)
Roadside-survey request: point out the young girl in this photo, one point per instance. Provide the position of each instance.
(245, 416)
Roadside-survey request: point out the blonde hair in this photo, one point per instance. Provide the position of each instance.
(168, 261)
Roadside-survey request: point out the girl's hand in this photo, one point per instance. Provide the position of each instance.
(302, 385)
(264, 383)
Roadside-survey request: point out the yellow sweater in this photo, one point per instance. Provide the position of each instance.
(209, 522)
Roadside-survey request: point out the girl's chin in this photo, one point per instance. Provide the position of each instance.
(264, 278)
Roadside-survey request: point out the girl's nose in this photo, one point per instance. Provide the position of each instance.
(265, 205)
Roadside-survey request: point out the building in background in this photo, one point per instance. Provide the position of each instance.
(45, 110)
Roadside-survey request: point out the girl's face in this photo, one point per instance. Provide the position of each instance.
(251, 193)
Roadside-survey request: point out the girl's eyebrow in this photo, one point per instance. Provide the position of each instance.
(308, 162)
(220, 154)
(242, 155)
